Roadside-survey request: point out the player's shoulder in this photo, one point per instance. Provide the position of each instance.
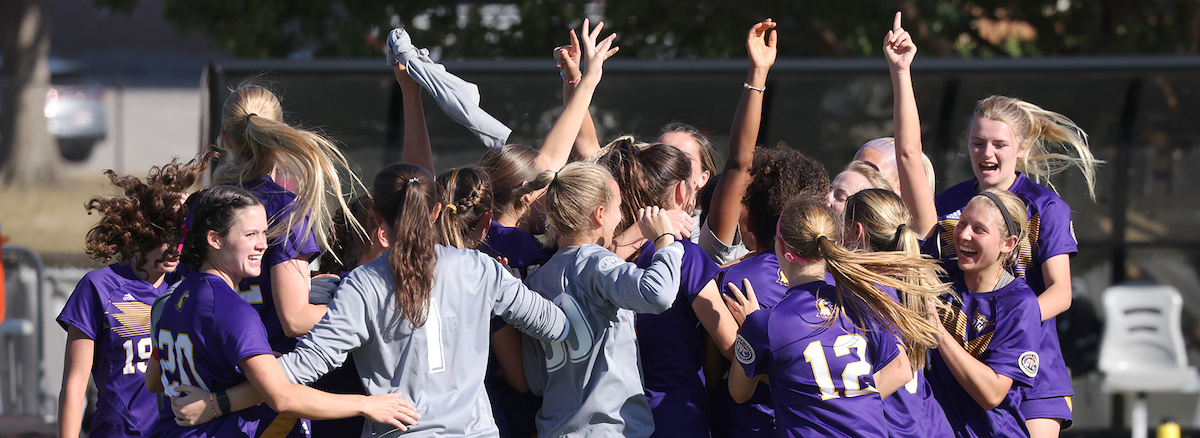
(1035, 195)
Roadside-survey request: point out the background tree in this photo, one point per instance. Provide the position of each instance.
(28, 153)
(670, 29)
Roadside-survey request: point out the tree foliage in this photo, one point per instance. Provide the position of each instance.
(671, 29)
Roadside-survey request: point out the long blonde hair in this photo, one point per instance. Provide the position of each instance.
(1055, 142)
(259, 142)
(884, 219)
(808, 228)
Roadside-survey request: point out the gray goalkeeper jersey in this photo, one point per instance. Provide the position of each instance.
(592, 381)
(439, 367)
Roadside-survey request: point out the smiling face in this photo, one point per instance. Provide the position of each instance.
(155, 268)
(239, 252)
(845, 185)
(995, 149)
(980, 239)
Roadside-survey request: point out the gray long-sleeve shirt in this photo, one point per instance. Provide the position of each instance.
(439, 367)
(592, 381)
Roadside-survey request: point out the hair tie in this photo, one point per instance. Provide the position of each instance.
(248, 116)
(453, 208)
(821, 237)
(1008, 219)
(555, 178)
(411, 181)
(895, 243)
(183, 237)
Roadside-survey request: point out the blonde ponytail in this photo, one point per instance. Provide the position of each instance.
(260, 143)
(806, 226)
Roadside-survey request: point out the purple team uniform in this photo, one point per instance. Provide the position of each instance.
(205, 330)
(513, 410)
(671, 346)
(1001, 329)
(821, 376)
(111, 306)
(1050, 233)
(911, 411)
(756, 417)
(278, 202)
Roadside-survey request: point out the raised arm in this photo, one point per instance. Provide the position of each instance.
(899, 50)
(556, 148)
(567, 58)
(417, 149)
(726, 205)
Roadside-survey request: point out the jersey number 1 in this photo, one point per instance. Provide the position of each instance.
(814, 354)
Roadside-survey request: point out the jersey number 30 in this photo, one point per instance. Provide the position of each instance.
(175, 352)
(814, 354)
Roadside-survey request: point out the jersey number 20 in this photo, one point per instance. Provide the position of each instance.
(175, 352)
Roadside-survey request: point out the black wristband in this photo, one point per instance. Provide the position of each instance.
(223, 402)
(660, 236)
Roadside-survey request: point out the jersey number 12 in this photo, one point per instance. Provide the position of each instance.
(814, 354)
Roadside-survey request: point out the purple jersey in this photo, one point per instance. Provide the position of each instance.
(1050, 233)
(111, 305)
(756, 417)
(671, 346)
(205, 330)
(1002, 329)
(912, 411)
(295, 244)
(523, 251)
(820, 363)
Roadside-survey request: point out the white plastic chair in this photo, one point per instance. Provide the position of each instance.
(1142, 350)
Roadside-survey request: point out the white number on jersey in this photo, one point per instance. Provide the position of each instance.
(175, 356)
(142, 351)
(433, 336)
(814, 354)
(578, 344)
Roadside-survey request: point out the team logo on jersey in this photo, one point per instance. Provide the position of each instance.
(179, 304)
(980, 322)
(781, 279)
(954, 216)
(133, 319)
(743, 351)
(1028, 362)
(128, 297)
(610, 262)
(824, 308)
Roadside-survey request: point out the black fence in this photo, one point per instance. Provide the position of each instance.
(1142, 115)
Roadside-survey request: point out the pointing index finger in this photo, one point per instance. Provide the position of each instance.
(896, 22)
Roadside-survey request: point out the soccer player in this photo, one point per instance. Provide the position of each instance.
(1011, 144)
(830, 352)
(107, 316)
(592, 382)
(988, 348)
(210, 338)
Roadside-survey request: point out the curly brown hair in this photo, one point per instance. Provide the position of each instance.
(147, 216)
(779, 174)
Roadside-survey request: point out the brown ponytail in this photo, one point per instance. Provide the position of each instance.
(405, 195)
(644, 172)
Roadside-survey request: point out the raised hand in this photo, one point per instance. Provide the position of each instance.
(594, 53)
(762, 50)
(566, 58)
(898, 47)
(390, 409)
(741, 306)
(406, 82)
